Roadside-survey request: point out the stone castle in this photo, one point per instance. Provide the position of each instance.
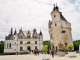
(59, 30)
(23, 41)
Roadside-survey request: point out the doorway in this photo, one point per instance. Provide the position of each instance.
(28, 48)
(56, 48)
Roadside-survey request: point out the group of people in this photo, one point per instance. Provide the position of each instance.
(36, 52)
(51, 53)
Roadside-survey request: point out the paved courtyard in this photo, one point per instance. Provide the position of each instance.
(33, 57)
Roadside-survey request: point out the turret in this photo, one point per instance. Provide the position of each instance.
(15, 32)
(11, 31)
(41, 35)
(55, 8)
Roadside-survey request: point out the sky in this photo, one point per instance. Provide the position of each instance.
(30, 14)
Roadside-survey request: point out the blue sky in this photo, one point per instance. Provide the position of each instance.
(36, 13)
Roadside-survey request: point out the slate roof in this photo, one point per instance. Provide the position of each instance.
(24, 34)
(9, 37)
(62, 18)
(40, 33)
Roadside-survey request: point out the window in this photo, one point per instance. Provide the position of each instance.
(10, 45)
(7, 45)
(63, 31)
(29, 36)
(21, 48)
(21, 42)
(55, 24)
(35, 47)
(65, 44)
(54, 15)
(35, 42)
(28, 42)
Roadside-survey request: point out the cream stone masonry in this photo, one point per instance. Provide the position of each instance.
(23, 41)
(59, 30)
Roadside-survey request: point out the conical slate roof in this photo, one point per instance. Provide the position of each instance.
(40, 33)
(15, 32)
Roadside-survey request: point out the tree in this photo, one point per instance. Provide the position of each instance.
(48, 44)
(70, 46)
(76, 44)
(1, 46)
(44, 48)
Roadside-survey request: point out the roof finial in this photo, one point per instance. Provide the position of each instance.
(15, 31)
(40, 32)
(54, 5)
(21, 27)
(11, 30)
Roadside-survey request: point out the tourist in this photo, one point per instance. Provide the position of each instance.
(38, 52)
(52, 52)
(35, 52)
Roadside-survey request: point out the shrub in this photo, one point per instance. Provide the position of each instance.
(44, 48)
(70, 46)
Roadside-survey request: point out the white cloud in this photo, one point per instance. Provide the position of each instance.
(36, 13)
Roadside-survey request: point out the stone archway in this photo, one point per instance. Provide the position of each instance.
(28, 48)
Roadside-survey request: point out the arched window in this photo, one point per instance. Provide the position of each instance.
(7, 45)
(10, 45)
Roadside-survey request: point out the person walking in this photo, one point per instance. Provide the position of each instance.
(38, 52)
(52, 52)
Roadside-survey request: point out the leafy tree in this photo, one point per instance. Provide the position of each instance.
(48, 44)
(44, 48)
(76, 44)
(1, 46)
